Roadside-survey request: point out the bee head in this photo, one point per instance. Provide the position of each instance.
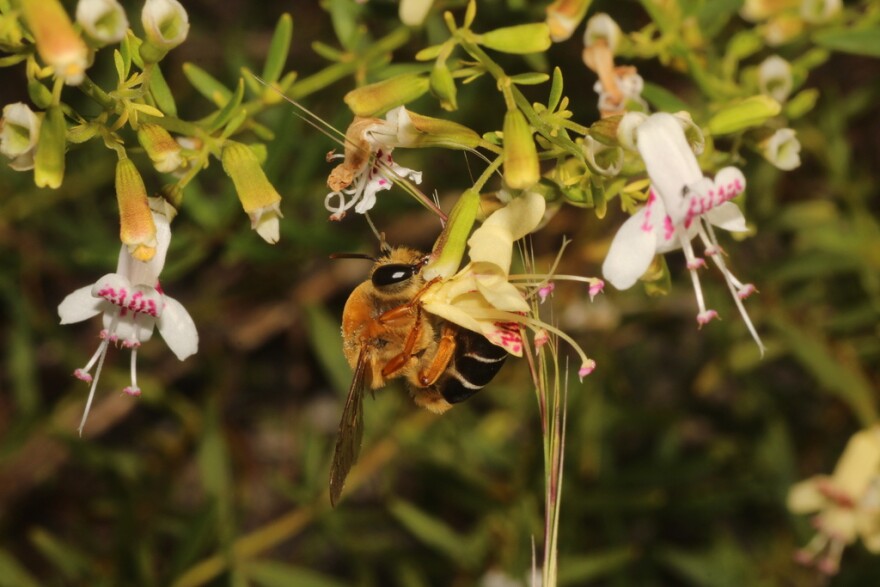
(398, 270)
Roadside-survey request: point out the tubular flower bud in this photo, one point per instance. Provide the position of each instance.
(521, 167)
(49, 155)
(137, 231)
(382, 96)
(160, 146)
(414, 12)
(782, 149)
(258, 197)
(166, 25)
(519, 40)
(58, 44)
(774, 78)
(19, 131)
(563, 17)
(102, 20)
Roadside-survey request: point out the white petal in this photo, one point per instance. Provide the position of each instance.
(178, 329)
(80, 305)
(130, 326)
(631, 252)
(498, 292)
(727, 216)
(669, 160)
(493, 241)
(139, 272)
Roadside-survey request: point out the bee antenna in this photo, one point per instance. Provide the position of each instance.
(353, 256)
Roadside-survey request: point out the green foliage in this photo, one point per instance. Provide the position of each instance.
(679, 450)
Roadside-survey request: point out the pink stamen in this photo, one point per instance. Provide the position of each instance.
(586, 369)
(541, 338)
(132, 391)
(696, 263)
(704, 318)
(746, 290)
(82, 375)
(545, 291)
(596, 288)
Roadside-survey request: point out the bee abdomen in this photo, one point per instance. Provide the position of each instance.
(475, 362)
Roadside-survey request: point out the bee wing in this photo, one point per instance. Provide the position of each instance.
(351, 430)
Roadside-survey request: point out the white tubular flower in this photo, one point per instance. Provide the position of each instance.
(166, 23)
(775, 79)
(482, 296)
(132, 304)
(682, 204)
(627, 87)
(102, 20)
(820, 11)
(414, 12)
(602, 27)
(368, 167)
(782, 149)
(846, 504)
(19, 132)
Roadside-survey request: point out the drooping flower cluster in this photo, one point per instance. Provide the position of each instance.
(682, 204)
(132, 304)
(846, 504)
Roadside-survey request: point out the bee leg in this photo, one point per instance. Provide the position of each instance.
(406, 310)
(399, 361)
(438, 365)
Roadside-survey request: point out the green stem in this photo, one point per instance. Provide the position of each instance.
(90, 89)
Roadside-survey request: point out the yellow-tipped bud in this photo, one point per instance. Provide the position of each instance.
(520, 39)
(258, 197)
(564, 16)
(521, 168)
(443, 86)
(137, 231)
(58, 44)
(380, 97)
(160, 146)
(166, 25)
(49, 156)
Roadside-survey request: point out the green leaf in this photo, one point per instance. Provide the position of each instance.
(751, 112)
(581, 570)
(275, 574)
(433, 532)
(12, 574)
(278, 49)
(225, 113)
(529, 79)
(864, 41)
(161, 92)
(71, 563)
(206, 84)
(662, 99)
(344, 15)
(326, 341)
(555, 90)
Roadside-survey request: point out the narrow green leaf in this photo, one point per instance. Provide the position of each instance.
(275, 574)
(529, 79)
(662, 99)
(225, 113)
(71, 563)
(583, 569)
(326, 340)
(555, 90)
(162, 93)
(278, 49)
(12, 574)
(433, 532)
(864, 41)
(206, 84)
(751, 112)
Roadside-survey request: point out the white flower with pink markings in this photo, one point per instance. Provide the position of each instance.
(682, 204)
(132, 304)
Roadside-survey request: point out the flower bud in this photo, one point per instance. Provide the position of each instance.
(58, 44)
(49, 154)
(374, 99)
(166, 25)
(416, 130)
(160, 146)
(520, 39)
(137, 231)
(258, 197)
(521, 167)
(782, 149)
(563, 17)
(19, 131)
(443, 86)
(102, 20)
(819, 11)
(414, 12)
(774, 78)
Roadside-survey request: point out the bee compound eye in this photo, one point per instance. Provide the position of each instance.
(392, 274)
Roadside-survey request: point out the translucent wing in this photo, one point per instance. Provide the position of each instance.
(351, 430)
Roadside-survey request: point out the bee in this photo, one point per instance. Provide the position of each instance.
(386, 335)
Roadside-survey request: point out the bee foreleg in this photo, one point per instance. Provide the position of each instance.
(445, 351)
(399, 361)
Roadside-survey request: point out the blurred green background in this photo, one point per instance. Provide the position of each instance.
(680, 447)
